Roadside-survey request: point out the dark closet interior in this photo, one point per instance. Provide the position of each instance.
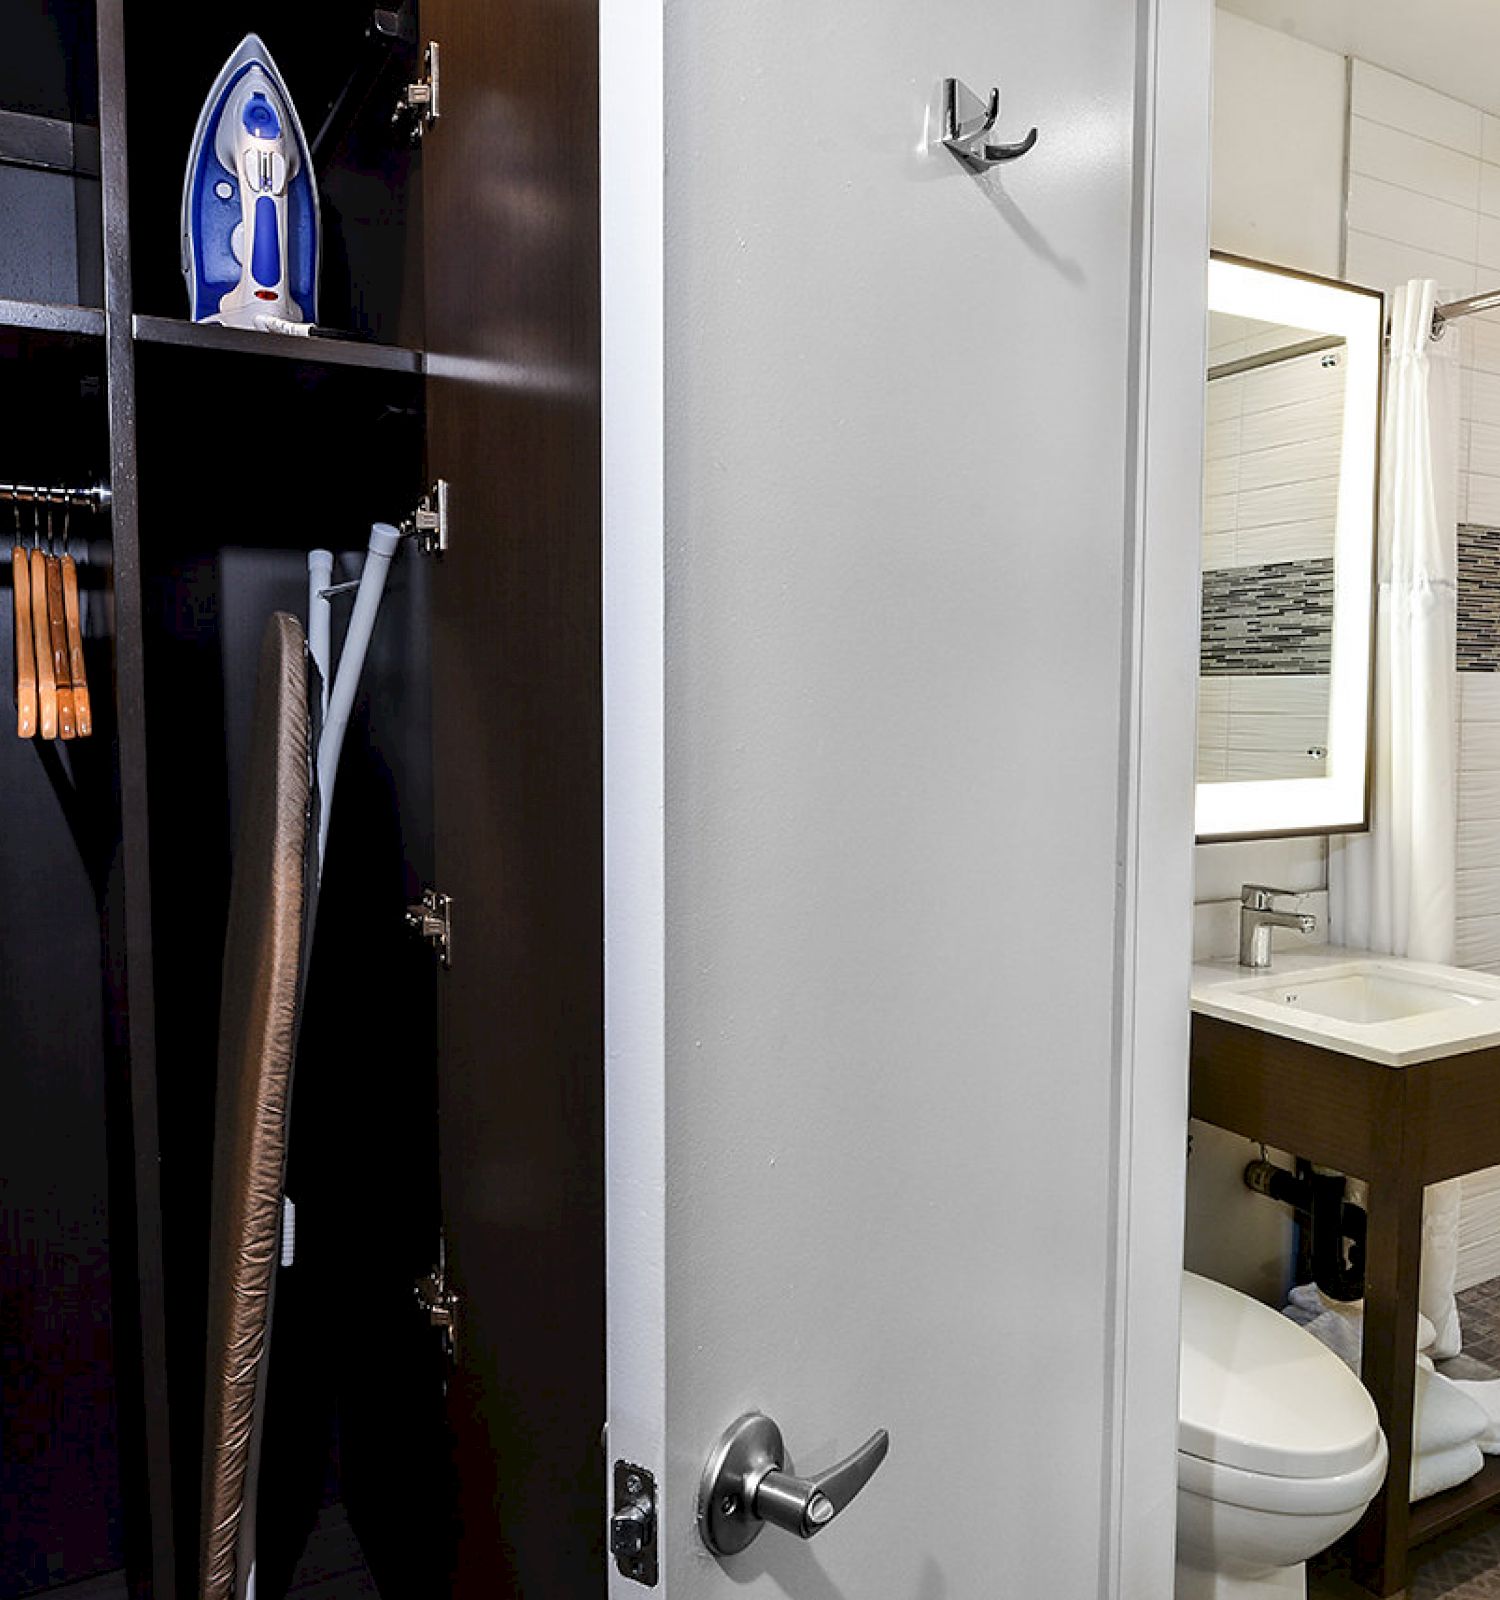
(390, 1464)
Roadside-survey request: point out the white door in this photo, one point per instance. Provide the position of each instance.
(901, 524)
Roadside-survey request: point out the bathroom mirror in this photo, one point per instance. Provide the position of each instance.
(1291, 451)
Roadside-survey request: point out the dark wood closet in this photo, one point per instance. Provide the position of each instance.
(438, 1110)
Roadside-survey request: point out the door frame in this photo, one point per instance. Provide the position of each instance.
(1160, 533)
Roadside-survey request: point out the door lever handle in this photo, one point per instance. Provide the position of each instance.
(744, 1486)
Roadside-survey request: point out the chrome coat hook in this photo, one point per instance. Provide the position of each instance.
(968, 121)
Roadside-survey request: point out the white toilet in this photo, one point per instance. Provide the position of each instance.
(1279, 1449)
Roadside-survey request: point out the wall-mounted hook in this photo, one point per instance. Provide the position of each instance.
(968, 121)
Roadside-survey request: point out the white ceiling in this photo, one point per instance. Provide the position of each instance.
(1453, 45)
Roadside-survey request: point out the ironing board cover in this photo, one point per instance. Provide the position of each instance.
(269, 914)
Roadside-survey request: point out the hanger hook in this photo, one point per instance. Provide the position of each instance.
(968, 121)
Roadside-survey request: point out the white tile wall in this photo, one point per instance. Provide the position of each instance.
(1377, 150)
(1413, 107)
(1406, 216)
(1219, 870)
(1424, 201)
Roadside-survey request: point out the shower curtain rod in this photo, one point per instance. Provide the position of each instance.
(1442, 315)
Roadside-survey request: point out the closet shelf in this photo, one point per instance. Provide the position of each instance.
(313, 351)
(34, 314)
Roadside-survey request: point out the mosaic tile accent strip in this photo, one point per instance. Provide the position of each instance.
(1478, 598)
(1268, 621)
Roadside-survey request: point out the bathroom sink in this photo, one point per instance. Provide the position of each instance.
(1382, 1008)
(1373, 993)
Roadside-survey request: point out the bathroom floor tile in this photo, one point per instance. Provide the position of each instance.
(1469, 1569)
(1479, 1312)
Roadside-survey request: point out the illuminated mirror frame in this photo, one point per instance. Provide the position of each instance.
(1338, 802)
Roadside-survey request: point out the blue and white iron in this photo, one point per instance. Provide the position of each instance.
(250, 200)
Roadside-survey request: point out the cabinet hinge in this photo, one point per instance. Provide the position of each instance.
(420, 106)
(632, 1526)
(428, 524)
(432, 918)
(439, 1302)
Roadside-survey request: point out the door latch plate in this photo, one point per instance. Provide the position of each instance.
(428, 524)
(420, 104)
(439, 1302)
(632, 1527)
(432, 919)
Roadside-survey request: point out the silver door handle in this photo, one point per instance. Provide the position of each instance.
(744, 1488)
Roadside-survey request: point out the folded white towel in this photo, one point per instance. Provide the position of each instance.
(1309, 1299)
(1440, 1220)
(1431, 1474)
(1444, 1416)
(1486, 1395)
(1340, 1333)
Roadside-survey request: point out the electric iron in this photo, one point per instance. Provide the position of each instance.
(250, 200)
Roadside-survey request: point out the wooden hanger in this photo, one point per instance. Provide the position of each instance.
(41, 630)
(57, 631)
(20, 578)
(82, 707)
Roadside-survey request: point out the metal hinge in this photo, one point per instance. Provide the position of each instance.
(632, 1527)
(432, 918)
(428, 524)
(419, 106)
(439, 1301)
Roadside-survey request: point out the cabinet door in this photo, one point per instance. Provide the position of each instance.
(511, 266)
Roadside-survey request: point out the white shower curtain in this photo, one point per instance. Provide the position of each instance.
(1393, 889)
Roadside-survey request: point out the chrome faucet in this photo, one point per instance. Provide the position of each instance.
(1258, 917)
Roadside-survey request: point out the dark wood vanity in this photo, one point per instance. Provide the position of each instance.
(1400, 1129)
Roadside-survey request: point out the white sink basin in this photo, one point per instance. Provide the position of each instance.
(1382, 1008)
(1371, 992)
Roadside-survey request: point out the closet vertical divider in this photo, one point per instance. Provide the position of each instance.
(133, 873)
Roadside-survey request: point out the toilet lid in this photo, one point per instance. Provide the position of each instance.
(1260, 1393)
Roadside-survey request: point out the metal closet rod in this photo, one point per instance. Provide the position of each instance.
(96, 498)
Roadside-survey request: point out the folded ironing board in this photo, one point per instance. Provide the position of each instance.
(270, 915)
